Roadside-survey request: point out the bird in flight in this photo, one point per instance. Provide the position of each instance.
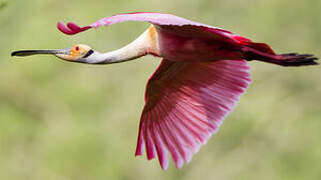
(201, 77)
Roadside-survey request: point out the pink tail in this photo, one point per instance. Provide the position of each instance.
(262, 52)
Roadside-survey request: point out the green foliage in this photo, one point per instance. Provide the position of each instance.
(61, 120)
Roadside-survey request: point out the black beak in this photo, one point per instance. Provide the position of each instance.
(35, 52)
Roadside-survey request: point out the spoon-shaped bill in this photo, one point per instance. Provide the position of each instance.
(35, 52)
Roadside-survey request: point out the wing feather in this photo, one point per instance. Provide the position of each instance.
(185, 105)
(168, 22)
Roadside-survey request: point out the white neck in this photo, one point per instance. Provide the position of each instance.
(146, 43)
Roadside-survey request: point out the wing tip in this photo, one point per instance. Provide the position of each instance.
(164, 165)
(71, 28)
(140, 147)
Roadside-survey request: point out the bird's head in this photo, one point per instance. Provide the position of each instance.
(77, 53)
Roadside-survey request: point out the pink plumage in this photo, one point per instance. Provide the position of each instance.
(200, 79)
(185, 105)
(160, 19)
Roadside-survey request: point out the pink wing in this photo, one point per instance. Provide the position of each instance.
(167, 21)
(185, 105)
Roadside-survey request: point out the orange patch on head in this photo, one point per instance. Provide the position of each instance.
(74, 51)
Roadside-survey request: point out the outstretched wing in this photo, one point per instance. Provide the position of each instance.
(185, 105)
(167, 21)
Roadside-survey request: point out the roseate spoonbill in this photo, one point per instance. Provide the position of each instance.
(201, 77)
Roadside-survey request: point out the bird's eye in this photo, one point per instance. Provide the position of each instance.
(77, 48)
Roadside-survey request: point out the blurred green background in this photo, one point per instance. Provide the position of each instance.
(68, 121)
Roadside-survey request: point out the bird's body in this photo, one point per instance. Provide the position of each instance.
(201, 77)
(187, 46)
